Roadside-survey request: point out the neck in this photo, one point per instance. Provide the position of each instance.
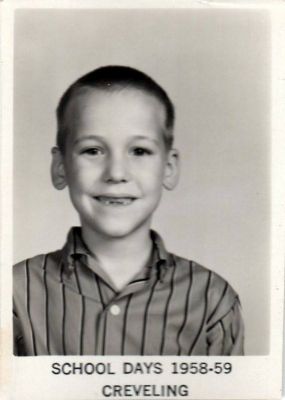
(132, 248)
(121, 258)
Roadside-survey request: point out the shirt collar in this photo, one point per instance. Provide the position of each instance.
(75, 248)
(161, 257)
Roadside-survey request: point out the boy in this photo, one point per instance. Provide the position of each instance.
(114, 289)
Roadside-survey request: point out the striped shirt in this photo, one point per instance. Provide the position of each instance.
(64, 304)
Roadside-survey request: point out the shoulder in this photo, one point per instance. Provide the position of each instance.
(218, 292)
(199, 271)
(34, 266)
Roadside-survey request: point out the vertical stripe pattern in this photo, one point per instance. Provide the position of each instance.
(145, 316)
(202, 324)
(166, 309)
(190, 279)
(63, 311)
(28, 300)
(125, 325)
(63, 306)
(47, 303)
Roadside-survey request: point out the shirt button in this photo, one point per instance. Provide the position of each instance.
(115, 310)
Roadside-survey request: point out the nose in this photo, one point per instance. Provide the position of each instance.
(116, 170)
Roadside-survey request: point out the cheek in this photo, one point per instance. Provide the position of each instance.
(79, 177)
(73, 178)
(154, 183)
(153, 177)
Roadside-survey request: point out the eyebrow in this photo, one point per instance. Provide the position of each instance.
(102, 138)
(88, 137)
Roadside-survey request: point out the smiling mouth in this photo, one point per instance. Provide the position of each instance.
(115, 201)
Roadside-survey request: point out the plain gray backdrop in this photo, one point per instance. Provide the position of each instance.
(215, 65)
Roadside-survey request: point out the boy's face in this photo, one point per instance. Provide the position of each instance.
(116, 163)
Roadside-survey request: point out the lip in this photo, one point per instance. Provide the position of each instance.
(116, 195)
(115, 200)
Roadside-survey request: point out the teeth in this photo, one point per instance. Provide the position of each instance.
(115, 200)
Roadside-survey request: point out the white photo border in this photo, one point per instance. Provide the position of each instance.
(252, 377)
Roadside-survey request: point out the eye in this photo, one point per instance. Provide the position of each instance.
(141, 151)
(92, 151)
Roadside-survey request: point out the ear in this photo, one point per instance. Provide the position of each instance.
(57, 169)
(172, 170)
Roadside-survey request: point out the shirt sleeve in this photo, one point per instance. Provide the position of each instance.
(226, 335)
(19, 348)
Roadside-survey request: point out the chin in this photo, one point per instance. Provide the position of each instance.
(119, 231)
(116, 227)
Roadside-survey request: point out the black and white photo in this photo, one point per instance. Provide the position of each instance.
(142, 200)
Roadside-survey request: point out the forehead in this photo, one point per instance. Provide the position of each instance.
(126, 108)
